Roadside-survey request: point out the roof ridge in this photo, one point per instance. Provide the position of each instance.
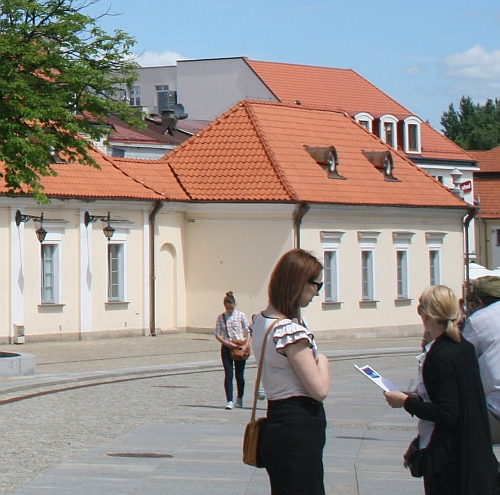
(127, 174)
(270, 153)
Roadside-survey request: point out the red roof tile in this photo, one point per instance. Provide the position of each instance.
(344, 89)
(487, 190)
(255, 152)
(130, 179)
(488, 161)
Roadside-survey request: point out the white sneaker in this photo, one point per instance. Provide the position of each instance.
(261, 395)
(230, 404)
(239, 402)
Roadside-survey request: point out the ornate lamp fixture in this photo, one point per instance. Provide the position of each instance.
(108, 231)
(41, 233)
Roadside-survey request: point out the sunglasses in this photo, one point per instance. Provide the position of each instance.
(318, 285)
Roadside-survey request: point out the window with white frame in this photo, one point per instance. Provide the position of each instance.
(50, 262)
(330, 242)
(388, 130)
(135, 96)
(402, 241)
(412, 142)
(50, 273)
(434, 244)
(498, 237)
(364, 119)
(117, 276)
(116, 272)
(367, 241)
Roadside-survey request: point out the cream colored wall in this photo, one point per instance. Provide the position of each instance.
(170, 270)
(226, 253)
(388, 312)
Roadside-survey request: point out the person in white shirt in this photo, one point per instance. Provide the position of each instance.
(296, 379)
(231, 326)
(482, 329)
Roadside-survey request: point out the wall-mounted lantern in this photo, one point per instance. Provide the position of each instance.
(41, 233)
(108, 231)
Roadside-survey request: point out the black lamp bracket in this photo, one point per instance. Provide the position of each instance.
(20, 218)
(93, 218)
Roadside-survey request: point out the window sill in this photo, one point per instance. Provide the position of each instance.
(400, 302)
(51, 307)
(117, 304)
(368, 303)
(326, 305)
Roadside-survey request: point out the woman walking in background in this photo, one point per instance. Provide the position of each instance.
(454, 439)
(231, 326)
(296, 379)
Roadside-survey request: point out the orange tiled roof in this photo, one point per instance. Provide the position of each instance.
(487, 190)
(327, 87)
(344, 89)
(488, 161)
(255, 152)
(130, 179)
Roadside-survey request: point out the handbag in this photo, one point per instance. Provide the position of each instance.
(253, 430)
(237, 354)
(413, 458)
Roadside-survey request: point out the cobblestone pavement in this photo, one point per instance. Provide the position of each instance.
(42, 432)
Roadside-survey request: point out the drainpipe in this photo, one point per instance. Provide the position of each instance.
(298, 214)
(466, 222)
(152, 275)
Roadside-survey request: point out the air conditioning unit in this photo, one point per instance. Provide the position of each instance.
(18, 334)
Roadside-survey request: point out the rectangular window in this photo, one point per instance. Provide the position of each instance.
(135, 96)
(166, 99)
(435, 266)
(331, 276)
(413, 137)
(367, 275)
(498, 237)
(50, 273)
(389, 133)
(402, 274)
(115, 272)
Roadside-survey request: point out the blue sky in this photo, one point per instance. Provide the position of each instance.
(425, 54)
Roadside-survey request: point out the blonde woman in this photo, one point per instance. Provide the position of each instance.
(456, 457)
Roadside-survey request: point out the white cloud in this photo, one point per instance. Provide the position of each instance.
(414, 70)
(474, 65)
(153, 59)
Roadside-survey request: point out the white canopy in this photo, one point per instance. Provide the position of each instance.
(476, 271)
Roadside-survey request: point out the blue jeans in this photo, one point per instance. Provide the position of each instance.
(239, 368)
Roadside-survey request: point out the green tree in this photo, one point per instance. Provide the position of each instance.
(59, 73)
(473, 127)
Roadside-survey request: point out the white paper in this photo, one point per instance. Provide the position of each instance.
(382, 382)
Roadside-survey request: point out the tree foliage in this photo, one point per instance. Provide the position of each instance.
(473, 127)
(59, 73)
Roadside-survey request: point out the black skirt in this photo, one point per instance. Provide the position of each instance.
(292, 446)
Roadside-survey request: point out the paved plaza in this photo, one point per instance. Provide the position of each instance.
(143, 416)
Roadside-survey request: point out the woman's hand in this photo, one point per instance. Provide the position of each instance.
(395, 399)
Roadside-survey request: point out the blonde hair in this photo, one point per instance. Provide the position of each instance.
(440, 303)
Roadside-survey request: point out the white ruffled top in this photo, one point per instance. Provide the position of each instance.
(278, 376)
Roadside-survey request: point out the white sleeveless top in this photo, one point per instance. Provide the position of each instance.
(278, 376)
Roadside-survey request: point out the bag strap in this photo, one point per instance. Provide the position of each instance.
(259, 369)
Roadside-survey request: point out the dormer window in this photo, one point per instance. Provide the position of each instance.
(388, 130)
(412, 135)
(327, 157)
(364, 119)
(383, 161)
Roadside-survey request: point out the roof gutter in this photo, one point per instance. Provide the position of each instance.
(298, 214)
(152, 275)
(471, 213)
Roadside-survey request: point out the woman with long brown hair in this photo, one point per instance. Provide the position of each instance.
(296, 379)
(453, 447)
